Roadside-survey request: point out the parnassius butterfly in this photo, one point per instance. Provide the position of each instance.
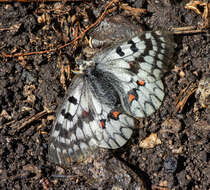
(116, 86)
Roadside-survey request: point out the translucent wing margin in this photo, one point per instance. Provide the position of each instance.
(64, 140)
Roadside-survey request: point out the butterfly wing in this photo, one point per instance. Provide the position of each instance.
(91, 117)
(85, 123)
(136, 67)
(64, 138)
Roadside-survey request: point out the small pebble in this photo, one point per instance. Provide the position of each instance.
(170, 164)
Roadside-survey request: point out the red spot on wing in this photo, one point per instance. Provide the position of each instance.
(131, 97)
(85, 114)
(140, 82)
(115, 114)
(131, 63)
(102, 123)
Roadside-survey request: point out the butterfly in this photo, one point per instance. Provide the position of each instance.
(117, 85)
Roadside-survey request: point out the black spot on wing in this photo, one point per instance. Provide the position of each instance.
(63, 112)
(149, 46)
(58, 126)
(79, 123)
(119, 51)
(133, 46)
(63, 133)
(67, 115)
(72, 100)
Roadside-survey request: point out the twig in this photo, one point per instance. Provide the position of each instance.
(187, 30)
(30, 119)
(71, 42)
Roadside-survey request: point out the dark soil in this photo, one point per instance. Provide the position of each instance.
(31, 88)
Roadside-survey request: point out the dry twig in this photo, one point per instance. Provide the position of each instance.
(184, 96)
(82, 34)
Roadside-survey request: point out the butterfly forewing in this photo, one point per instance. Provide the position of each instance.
(84, 123)
(123, 83)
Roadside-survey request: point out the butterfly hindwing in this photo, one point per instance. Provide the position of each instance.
(114, 127)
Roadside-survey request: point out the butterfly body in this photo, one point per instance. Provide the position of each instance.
(116, 86)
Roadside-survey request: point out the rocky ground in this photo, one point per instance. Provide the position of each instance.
(33, 82)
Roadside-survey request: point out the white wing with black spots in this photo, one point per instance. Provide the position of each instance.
(117, 85)
(138, 65)
(85, 123)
